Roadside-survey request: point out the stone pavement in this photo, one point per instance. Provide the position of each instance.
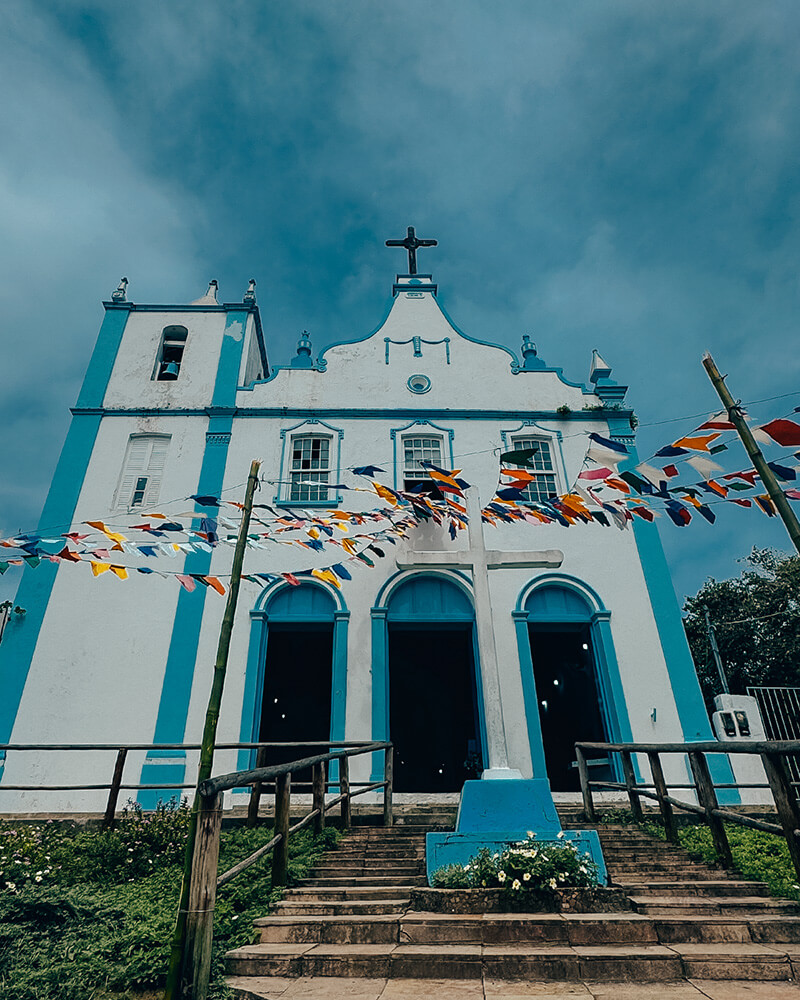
(334, 988)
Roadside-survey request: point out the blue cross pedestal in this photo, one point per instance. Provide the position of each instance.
(495, 813)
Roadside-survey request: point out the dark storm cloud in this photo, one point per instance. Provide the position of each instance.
(612, 175)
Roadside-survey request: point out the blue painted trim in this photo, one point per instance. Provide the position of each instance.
(394, 431)
(530, 698)
(280, 499)
(346, 413)
(695, 724)
(178, 680)
(104, 355)
(613, 704)
(379, 615)
(380, 686)
(257, 658)
(35, 589)
(230, 357)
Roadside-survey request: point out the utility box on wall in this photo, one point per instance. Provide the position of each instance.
(737, 719)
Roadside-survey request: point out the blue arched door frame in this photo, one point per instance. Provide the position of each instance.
(303, 606)
(460, 610)
(582, 607)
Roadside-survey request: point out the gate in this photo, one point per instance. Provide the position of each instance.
(780, 712)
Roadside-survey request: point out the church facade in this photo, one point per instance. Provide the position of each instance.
(586, 642)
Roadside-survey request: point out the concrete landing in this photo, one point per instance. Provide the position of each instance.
(330, 988)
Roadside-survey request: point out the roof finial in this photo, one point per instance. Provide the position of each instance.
(120, 294)
(210, 298)
(250, 294)
(303, 357)
(531, 360)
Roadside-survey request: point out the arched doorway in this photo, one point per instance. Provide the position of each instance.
(572, 688)
(433, 710)
(297, 669)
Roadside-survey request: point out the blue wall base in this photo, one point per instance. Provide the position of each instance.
(457, 848)
(160, 768)
(495, 814)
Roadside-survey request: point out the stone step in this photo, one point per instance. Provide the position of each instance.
(709, 887)
(349, 892)
(353, 907)
(558, 962)
(369, 867)
(356, 880)
(717, 929)
(435, 928)
(332, 861)
(666, 906)
(554, 962)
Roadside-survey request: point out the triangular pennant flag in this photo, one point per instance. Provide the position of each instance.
(783, 432)
(120, 572)
(214, 583)
(520, 456)
(186, 581)
(604, 451)
(696, 443)
(99, 567)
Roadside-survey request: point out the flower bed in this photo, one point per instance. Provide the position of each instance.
(593, 899)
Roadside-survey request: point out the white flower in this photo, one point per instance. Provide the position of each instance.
(526, 877)
(501, 876)
(516, 884)
(552, 883)
(531, 834)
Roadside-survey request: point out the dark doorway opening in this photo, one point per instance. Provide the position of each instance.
(433, 717)
(296, 704)
(569, 703)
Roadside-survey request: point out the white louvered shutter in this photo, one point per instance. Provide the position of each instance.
(142, 471)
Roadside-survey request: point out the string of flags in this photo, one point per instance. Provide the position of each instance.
(602, 493)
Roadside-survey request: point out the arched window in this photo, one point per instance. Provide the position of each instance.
(170, 355)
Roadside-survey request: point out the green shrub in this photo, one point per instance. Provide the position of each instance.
(86, 914)
(526, 865)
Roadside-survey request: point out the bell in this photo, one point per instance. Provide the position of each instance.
(169, 371)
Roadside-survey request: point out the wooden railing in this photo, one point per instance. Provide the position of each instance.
(277, 778)
(121, 751)
(773, 756)
(205, 880)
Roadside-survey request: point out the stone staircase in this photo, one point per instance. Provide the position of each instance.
(353, 918)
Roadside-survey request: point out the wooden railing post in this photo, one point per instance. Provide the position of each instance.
(388, 777)
(280, 856)
(318, 793)
(708, 800)
(667, 814)
(785, 802)
(344, 789)
(255, 792)
(630, 785)
(586, 791)
(202, 896)
(113, 793)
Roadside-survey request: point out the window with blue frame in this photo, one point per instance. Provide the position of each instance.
(545, 484)
(309, 468)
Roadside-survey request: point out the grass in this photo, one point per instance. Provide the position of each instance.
(86, 915)
(759, 856)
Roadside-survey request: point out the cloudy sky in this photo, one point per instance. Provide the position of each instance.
(608, 173)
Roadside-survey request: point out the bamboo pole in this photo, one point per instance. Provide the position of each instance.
(173, 989)
(768, 478)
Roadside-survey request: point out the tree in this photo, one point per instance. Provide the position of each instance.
(756, 619)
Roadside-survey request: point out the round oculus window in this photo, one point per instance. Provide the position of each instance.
(419, 383)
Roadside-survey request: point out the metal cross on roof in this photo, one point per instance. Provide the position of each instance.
(411, 243)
